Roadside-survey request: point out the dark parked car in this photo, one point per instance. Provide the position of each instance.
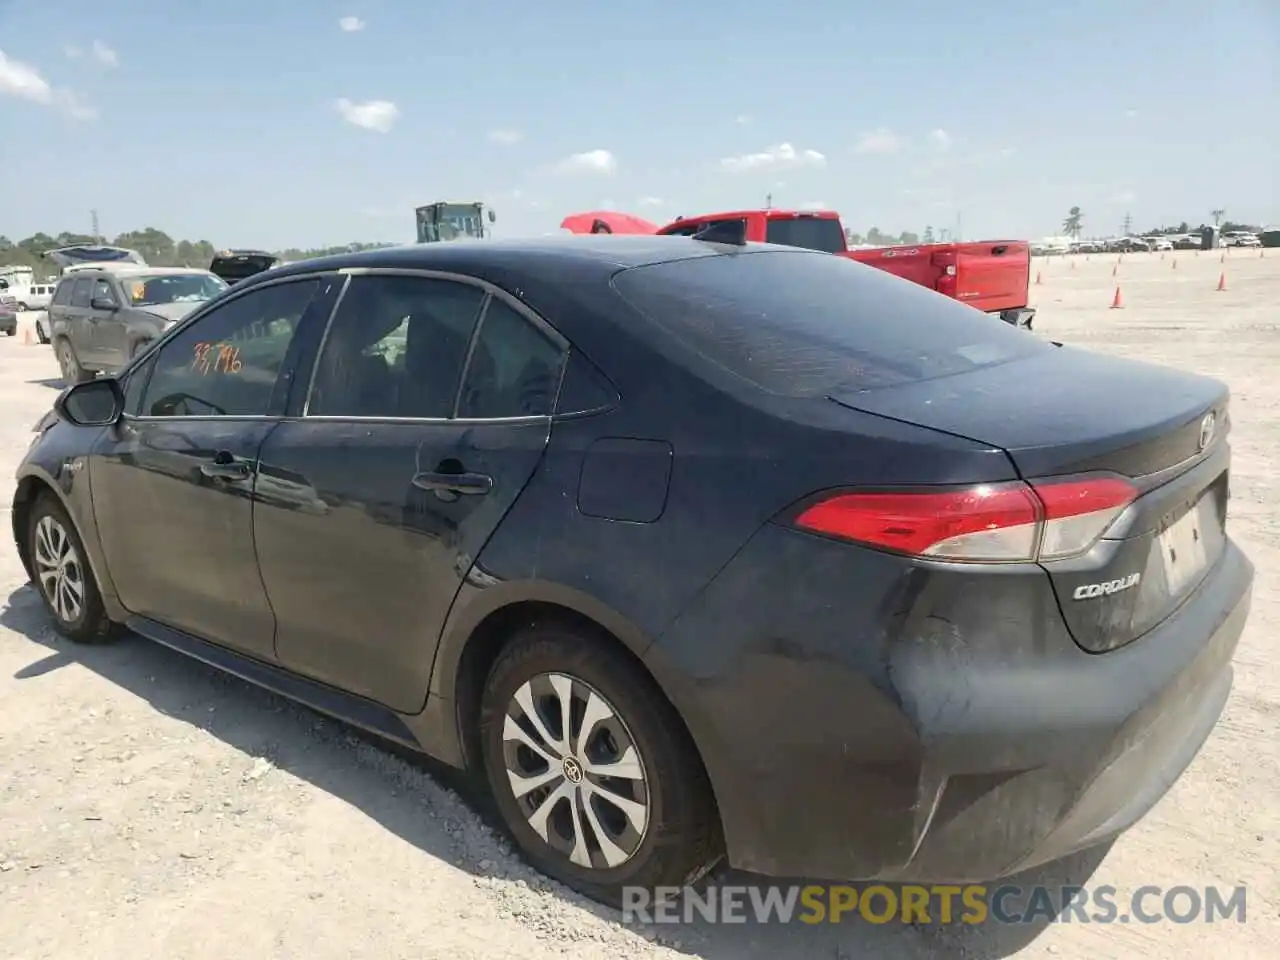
(101, 318)
(236, 265)
(684, 547)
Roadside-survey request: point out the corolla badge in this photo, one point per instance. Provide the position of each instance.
(1207, 427)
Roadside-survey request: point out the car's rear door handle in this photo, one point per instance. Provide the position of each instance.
(225, 466)
(472, 484)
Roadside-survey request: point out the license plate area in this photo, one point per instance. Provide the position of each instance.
(1190, 544)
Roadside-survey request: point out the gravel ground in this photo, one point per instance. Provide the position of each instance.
(152, 808)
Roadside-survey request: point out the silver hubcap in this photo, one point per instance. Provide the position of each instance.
(575, 771)
(59, 569)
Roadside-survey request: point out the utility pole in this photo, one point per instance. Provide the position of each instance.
(1128, 225)
(768, 201)
(97, 236)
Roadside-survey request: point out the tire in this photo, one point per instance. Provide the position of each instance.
(62, 575)
(669, 836)
(41, 335)
(72, 372)
(23, 308)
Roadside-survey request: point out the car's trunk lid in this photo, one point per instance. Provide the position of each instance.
(234, 266)
(1067, 411)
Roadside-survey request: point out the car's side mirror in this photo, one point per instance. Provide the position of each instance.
(103, 303)
(96, 403)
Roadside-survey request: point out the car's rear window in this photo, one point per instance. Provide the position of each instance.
(811, 233)
(804, 325)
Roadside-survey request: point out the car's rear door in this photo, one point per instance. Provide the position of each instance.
(173, 482)
(388, 478)
(76, 317)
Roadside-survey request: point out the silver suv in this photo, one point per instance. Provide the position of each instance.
(101, 318)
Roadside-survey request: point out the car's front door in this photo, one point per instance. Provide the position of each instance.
(173, 482)
(373, 500)
(106, 325)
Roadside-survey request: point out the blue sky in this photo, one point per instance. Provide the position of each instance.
(240, 122)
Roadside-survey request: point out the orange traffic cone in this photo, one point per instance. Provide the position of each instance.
(1222, 281)
(26, 337)
(1116, 301)
(1037, 278)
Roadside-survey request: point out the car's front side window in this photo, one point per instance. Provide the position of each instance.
(227, 362)
(395, 348)
(80, 293)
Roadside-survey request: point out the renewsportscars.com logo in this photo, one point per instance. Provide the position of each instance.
(970, 904)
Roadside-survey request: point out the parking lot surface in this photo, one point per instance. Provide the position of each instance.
(153, 809)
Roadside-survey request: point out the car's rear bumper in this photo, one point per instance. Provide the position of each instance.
(934, 751)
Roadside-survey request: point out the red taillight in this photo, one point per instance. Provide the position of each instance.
(1003, 522)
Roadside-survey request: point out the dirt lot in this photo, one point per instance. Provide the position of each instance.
(151, 809)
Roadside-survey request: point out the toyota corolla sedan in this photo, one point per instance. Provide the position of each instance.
(688, 549)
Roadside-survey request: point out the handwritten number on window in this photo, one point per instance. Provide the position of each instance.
(220, 357)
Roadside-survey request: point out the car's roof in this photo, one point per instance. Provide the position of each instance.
(136, 270)
(597, 254)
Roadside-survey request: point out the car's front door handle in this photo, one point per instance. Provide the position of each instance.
(471, 484)
(224, 466)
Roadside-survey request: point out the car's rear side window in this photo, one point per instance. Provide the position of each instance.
(62, 295)
(80, 293)
(804, 324)
(811, 233)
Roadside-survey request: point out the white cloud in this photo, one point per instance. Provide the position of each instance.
(351, 24)
(376, 115)
(783, 155)
(742, 119)
(1131, 114)
(814, 205)
(23, 82)
(940, 139)
(105, 55)
(652, 202)
(592, 161)
(506, 137)
(72, 51)
(880, 140)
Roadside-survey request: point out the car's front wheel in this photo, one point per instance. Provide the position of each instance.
(63, 576)
(591, 770)
(72, 371)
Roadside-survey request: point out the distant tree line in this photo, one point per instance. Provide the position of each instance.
(879, 238)
(1071, 225)
(155, 246)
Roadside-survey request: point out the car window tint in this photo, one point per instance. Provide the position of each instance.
(101, 288)
(805, 324)
(514, 368)
(811, 233)
(395, 348)
(135, 382)
(226, 363)
(80, 292)
(62, 295)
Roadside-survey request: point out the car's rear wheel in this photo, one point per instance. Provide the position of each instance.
(41, 333)
(72, 371)
(591, 770)
(63, 576)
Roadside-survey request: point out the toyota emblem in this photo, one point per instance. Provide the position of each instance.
(1207, 426)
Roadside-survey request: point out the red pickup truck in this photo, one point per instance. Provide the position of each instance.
(991, 275)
